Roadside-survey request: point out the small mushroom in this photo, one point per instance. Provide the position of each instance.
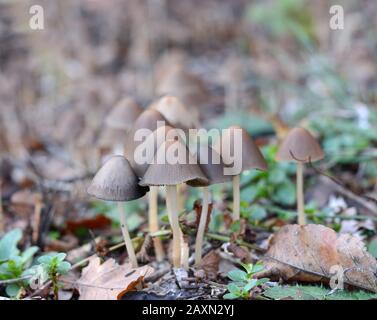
(301, 147)
(213, 167)
(169, 171)
(251, 158)
(116, 181)
(124, 114)
(176, 112)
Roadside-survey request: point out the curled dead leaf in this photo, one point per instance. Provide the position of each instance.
(97, 222)
(109, 280)
(312, 253)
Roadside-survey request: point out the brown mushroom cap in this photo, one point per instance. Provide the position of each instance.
(299, 146)
(153, 141)
(162, 174)
(116, 181)
(124, 114)
(149, 119)
(213, 171)
(251, 157)
(176, 113)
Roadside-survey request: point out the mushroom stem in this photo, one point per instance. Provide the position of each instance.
(126, 236)
(202, 227)
(171, 203)
(300, 193)
(236, 198)
(153, 222)
(180, 198)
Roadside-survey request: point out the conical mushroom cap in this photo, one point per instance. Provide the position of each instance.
(299, 146)
(152, 142)
(212, 166)
(124, 114)
(116, 181)
(150, 119)
(176, 113)
(251, 156)
(163, 171)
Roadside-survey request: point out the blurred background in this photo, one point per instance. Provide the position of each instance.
(265, 65)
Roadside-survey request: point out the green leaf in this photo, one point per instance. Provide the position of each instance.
(250, 285)
(258, 267)
(233, 288)
(8, 244)
(12, 290)
(257, 213)
(230, 296)
(237, 275)
(285, 193)
(64, 267)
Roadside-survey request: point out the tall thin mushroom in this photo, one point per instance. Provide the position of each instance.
(116, 181)
(213, 167)
(169, 171)
(301, 147)
(236, 139)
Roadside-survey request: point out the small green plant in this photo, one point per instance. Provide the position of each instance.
(13, 262)
(243, 281)
(50, 266)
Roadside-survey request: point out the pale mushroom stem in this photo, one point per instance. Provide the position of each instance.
(202, 227)
(300, 193)
(126, 236)
(236, 198)
(153, 222)
(171, 203)
(180, 198)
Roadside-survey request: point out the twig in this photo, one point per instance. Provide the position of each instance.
(15, 280)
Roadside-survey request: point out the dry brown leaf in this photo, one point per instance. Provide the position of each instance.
(210, 264)
(98, 222)
(109, 280)
(308, 253)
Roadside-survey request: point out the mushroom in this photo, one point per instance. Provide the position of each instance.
(124, 114)
(173, 165)
(213, 167)
(176, 112)
(300, 146)
(237, 139)
(150, 119)
(116, 181)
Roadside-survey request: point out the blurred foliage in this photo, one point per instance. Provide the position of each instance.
(301, 292)
(282, 18)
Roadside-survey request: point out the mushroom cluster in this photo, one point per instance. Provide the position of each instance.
(157, 154)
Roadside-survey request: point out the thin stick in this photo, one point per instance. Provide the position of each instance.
(300, 194)
(126, 236)
(153, 222)
(236, 198)
(171, 203)
(202, 227)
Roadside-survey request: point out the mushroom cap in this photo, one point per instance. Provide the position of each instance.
(214, 172)
(176, 112)
(124, 114)
(299, 146)
(149, 119)
(116, 181)
(152, 142)
(162, 173)
(251, 157)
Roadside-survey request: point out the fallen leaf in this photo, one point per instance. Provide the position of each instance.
(97, 222)
(198, 212)
(109, 280)
(308, 254)
(210, 264)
